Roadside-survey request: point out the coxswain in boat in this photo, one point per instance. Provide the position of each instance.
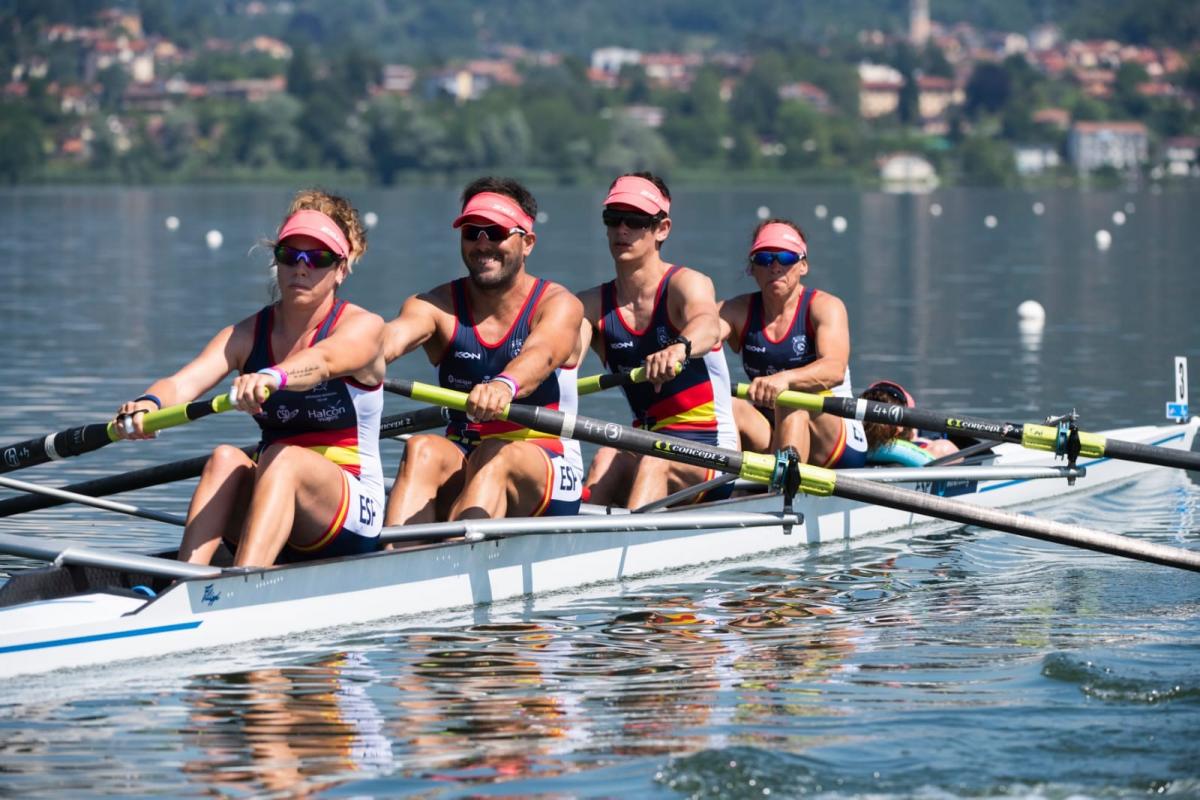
(791, 337)
(503, 336)
(664, 317)
(310, 370)
(892, 444)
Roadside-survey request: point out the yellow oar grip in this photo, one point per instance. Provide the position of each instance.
(1045, 437)
(789, 399)
(436, 395)
(760, 468)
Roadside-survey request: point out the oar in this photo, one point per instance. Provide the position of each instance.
(86, 438)
(63, 496)
(773, 470)
(1035, 437)
(609, 380)
(421, 419)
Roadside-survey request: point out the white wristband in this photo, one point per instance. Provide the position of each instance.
(507, 381)
(280, 381)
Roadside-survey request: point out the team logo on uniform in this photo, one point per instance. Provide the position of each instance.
(285, 414)
(514, 347)
(661, 333)
(799, 344)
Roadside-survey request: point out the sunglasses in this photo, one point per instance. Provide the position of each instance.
(316, 259)
(765, 258)
(493, 233)
(630, 219)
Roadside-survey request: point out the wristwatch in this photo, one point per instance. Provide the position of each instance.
(687, 345)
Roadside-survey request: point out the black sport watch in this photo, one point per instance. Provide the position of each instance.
(687, 345)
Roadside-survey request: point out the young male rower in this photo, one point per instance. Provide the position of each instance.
(664, 317)
(502, 335)
(791, 337)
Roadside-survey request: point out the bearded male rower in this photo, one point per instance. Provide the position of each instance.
(660, 316)
(499, 335)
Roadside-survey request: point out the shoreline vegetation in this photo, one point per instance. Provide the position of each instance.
(162, 92)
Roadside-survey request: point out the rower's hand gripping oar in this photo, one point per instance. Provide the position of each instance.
(87, 438)
(1061, 438)
(777, 471)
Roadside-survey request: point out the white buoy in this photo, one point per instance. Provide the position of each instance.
(213, 239)
(1118, 218)
(542, 217)
(839, 224)
(1031, 311)
(1103, 239)
(821, 212)
(1130, 207)
(370, 219)
(935, 209)
(763, 212)
(990, 221)
(172, 223)
(1039, 208)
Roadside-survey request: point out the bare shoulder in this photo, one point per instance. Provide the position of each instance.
(828, 306)
(438, 300)
(689, 280)
(560, 297)
(590, 298)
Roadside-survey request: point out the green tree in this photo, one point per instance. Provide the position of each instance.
(21, 137)
(755, 101)
(986, 161)
(988, 89)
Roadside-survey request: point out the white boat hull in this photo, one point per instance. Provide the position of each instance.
(196, 613)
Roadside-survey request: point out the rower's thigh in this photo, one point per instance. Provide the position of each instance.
(527, 470)
(317, 485)
(432, 466)
(610, 476)
(827, 432)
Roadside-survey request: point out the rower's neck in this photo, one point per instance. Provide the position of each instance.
(636, 279)
(294, 320)
(776, 304)
(502, 302)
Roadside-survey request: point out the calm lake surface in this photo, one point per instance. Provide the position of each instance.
(962, 662)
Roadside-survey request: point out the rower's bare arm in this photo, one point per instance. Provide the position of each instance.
(590, 299)
(732, 317)
(832, 327)
(353, 349)
(223, 354)
(551, 343)
(413, 326)
(693, 309)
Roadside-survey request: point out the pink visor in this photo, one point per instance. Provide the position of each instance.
(778, 236)
(491, 208)
(321, 227)
(639, 193)
(895, 390)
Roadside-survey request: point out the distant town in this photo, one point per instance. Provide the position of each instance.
(107, 101)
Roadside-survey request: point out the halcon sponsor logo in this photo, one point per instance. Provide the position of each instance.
(330, 414)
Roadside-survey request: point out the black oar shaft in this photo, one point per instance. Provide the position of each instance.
(394, 425)
(1036, 437)
(1046, 530)
(752, 466)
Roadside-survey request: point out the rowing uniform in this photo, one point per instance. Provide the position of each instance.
(762, 355)
(695, 404)
(338, 419)
(469, 360)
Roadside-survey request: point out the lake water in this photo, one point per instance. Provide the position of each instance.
(958, 663)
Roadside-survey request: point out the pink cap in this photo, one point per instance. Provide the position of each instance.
(630, 190)
(310, 222)
(494, 208)
(778, 236)
(895, 390)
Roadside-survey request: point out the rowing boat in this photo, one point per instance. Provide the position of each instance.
(94, 606)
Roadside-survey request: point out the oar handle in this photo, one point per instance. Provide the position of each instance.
(610, 380)
(181, 414)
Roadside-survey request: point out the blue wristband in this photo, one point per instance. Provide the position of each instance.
(151, 398)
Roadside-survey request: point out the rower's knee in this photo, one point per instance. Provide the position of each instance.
(226, 460)
(423, 458)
